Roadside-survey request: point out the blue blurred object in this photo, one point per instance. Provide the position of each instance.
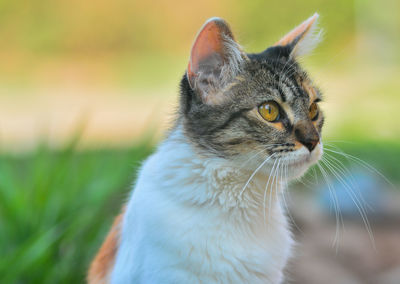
(360, 189)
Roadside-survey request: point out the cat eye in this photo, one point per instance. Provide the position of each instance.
(313, 111)
(269, 111)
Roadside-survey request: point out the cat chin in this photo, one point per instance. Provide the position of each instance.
(301, 160)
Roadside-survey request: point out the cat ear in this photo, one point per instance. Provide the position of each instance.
(304, 38)
(215, 59)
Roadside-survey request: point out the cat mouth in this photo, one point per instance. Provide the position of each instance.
(304, 159)
(290, 161)
(300, 161)
(297, 159)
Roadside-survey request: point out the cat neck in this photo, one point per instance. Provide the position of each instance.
(201, 180)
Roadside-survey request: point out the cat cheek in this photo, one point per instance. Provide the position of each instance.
(279, 126)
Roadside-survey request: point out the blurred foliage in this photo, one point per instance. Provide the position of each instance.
(56, 208)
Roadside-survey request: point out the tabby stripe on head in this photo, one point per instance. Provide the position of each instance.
(277, 77)
(232, 117)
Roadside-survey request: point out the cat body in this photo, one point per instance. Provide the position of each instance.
(207, 205)
(193, 225)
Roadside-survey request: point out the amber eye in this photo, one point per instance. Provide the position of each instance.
(313, 114)
(269, 111)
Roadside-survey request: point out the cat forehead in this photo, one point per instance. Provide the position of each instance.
(279, 79)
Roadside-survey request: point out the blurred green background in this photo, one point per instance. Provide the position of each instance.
(88, 87)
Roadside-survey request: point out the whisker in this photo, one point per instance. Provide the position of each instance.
(262, 150)
(362, 163)
(346, 172)
(306, 182)
(271, 195)
(337, 141)
(285, 182)
(266, 188)
(338, 216)
(302, 182)
(354, 198)
(251, 158)
(315, 175)
(254, 173)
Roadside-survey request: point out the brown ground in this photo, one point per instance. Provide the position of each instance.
(355, 261)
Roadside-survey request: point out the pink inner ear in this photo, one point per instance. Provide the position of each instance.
(300, 30)
(207, 42)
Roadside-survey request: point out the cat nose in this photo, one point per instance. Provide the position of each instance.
(310, 145)
(307, 135)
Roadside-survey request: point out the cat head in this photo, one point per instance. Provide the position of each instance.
(252, 108)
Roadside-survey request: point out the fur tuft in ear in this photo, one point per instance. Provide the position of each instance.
(304, 38)
(215, 59)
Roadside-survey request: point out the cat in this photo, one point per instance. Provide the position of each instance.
(206, 207)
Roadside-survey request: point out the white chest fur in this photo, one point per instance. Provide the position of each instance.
(188, 221)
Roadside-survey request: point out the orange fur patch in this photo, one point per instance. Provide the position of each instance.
(278, 125)
(310, 90)
(101, 266)
(297, 145)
